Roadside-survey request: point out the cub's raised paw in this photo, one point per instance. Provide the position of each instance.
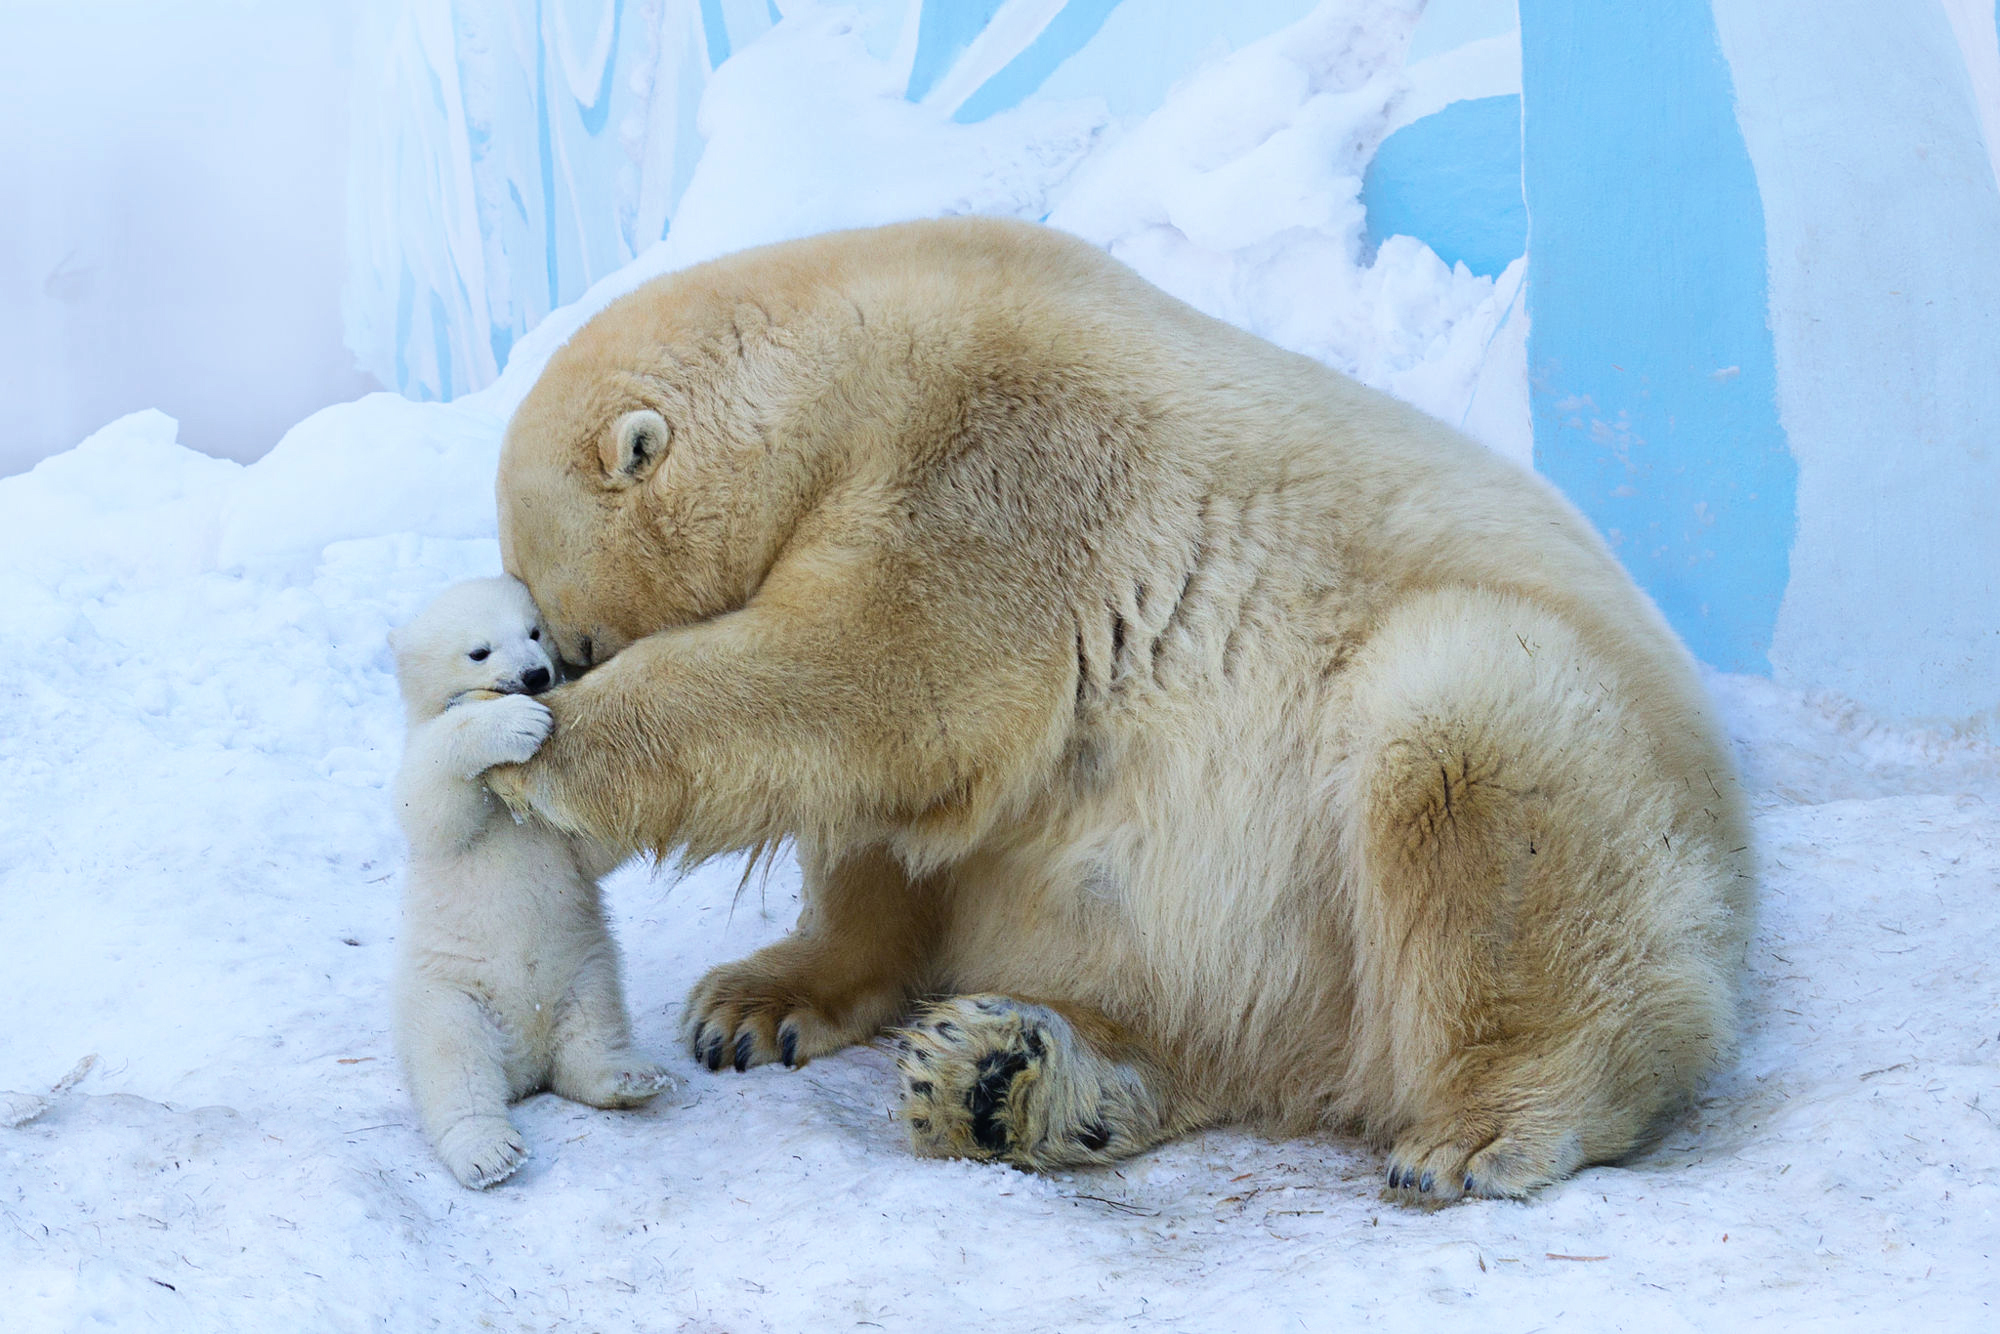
(992, 1078)
(1480, 1158)
(482, 1151)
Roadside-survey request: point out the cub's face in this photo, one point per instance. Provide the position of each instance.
(484, 634)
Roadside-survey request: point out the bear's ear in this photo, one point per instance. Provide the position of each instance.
(636, 442)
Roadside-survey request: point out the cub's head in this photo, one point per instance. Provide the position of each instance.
(658, 466)
(483, 634)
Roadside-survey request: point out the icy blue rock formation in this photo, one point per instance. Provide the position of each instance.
(510, 153)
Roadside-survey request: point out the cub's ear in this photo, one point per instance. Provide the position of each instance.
(635, 443)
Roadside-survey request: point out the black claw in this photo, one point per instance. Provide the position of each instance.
(712, 1056)
(1430, 1179)
(1395, 1176)
(1095, 1136)
(945, 1028)
(920, 1123)
(923, 1057)
(921, 1087)
(788, 1047)
(1468, 1183)
(695, 1047)
(1031, 1038)
(743, 1044)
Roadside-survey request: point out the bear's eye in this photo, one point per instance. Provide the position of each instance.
(479, 654)
(535, 633)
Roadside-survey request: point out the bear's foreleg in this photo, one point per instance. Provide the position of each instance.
(847, 969)
(992, 1078)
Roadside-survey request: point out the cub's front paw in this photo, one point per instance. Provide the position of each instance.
(509, 729)
(482, 1151)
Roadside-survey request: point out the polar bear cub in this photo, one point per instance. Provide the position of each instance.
(507, 980)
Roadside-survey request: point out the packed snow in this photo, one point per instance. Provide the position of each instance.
(199, 880)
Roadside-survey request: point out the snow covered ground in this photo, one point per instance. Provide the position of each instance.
(198, 882)
(198, 887)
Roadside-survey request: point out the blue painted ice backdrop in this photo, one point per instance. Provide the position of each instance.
(198, 861)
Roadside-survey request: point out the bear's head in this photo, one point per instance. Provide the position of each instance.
(483, 635)
(657, 468)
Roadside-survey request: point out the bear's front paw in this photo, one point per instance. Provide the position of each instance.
(482, 1151)
(508, 730)
(769, 1007)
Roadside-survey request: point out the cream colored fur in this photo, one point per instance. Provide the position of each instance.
(507, 980)
(1192, 733)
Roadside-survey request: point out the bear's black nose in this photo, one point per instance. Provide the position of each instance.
(535, 680)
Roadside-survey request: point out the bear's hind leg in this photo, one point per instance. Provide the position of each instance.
(1541, 906)
(995, 1078)
(847, 969)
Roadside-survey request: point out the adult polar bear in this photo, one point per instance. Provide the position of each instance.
(1219, 738)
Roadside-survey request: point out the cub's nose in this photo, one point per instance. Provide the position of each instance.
(535, 680)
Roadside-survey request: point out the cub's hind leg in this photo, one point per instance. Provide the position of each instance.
(1038, 1086)
(593, 1060)
(452, 1057)
(1544, 912)
(847, 969)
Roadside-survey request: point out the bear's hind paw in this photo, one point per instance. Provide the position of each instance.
(992, 1078)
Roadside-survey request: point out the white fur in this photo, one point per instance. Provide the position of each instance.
(507, 980)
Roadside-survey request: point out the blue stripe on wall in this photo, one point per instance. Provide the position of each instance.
(1452, 179)
(544, 147)
(944, 29)
(716, 31)
(594, 115)
(1076, 23)
(1650, 360)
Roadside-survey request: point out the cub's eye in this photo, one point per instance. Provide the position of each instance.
(535, 633)
(479, 654)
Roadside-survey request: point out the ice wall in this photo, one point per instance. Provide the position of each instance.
(1759, 244)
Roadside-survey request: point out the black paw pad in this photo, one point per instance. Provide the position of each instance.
(988, 1096)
